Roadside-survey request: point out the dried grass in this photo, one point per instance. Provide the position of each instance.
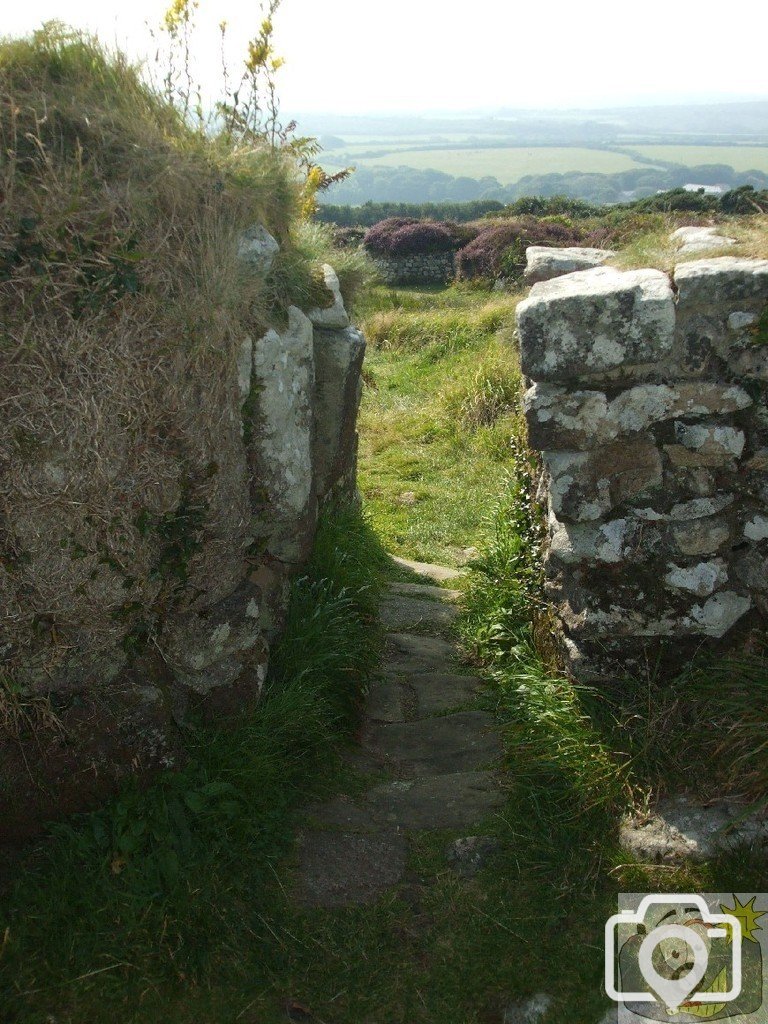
(123, 483)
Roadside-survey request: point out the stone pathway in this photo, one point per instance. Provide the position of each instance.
(432, 749)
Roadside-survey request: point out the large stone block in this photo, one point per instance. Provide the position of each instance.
(612, 542)
(588, 485)
(563, 418)
(332, 317)
(560, 418)
(281, 438)
(711, 439)
(213, 649)
(596, 323)
(544, 264)
(720, 302)
(338, 364)
(722, 283)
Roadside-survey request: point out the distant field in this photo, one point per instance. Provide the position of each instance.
(356, 143)
(740, 158)
(507, 165)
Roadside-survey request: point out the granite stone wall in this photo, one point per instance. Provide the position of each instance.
(647, 400)
(418, 268)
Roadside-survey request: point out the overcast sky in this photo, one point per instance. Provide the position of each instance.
(346, 56)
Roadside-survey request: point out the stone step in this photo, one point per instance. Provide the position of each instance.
(407, 653)
(338, 869)
(440, 573)
(401, 612)
(456, 800)
(465, 741)
(384, 702)
(419, 695)
(437, 692)
(426, 590)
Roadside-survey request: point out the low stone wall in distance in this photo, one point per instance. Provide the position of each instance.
(419, 268)
(648, 404)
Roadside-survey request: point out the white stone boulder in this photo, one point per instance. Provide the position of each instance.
(596, 321)
(683, 829)
(693, 239)
(283, 433)
(543, 263)
(334, 316)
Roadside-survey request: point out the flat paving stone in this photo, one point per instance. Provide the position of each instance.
(409, 652)
(435, 572)
(461, 742)
(338, 869)
(437, 692)
(342, 812)
(455, 800)
(384, 702)
(426, 590)
(401, 612)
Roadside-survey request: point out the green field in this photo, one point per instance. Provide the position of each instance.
(508, 165)
(740, 158)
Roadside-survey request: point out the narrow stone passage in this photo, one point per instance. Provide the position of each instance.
(425, 737)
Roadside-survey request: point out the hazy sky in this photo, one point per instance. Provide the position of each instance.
(347, 56)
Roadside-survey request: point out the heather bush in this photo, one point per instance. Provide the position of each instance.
(499, 249)
(401, 236)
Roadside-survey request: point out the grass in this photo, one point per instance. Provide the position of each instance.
(187, 911)
(650, 246)
(433, 429)
(133, 909)
(506, 164)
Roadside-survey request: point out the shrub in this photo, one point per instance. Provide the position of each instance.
(499, 250)
(542, 206)
(399, 236)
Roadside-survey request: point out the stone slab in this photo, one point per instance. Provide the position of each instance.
(699, 239)
(465, 741)
(401, 612)
(425, 590)
(595, 321)
(456, 800)
(543, 262)
(384, 703)
(437, 692)
(338, 869)
(342, 812)
(408, 653)
(435, 572)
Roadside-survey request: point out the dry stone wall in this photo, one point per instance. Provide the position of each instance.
(647, 400)
(417, 268)
(176, 610)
